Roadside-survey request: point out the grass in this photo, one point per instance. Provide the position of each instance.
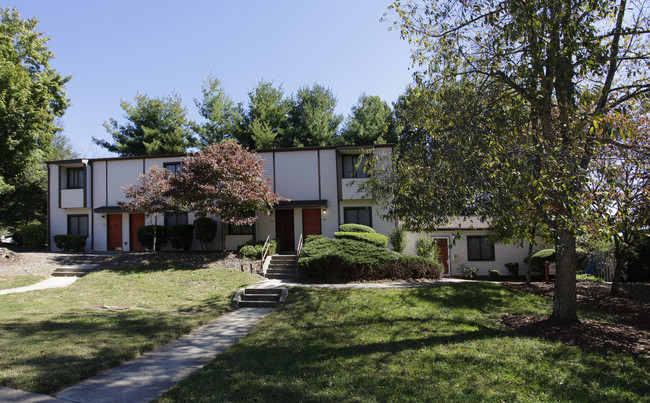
(49, 341)
(427, 344)
(7, 282)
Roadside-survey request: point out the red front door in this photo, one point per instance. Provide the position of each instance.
(114, 231)
(136, 221)
(311, 222)
(443, 246)
(284, 229)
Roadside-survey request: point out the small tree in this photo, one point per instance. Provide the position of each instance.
(150, 196)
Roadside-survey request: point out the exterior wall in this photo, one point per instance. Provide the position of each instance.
(329, 192)
(121, 173)
(380, 225)
(72, 198)
(503, 253)
(296, 174)
(350, 189)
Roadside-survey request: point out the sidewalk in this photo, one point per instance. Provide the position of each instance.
(52, 282)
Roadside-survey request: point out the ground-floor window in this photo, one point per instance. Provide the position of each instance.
(357, 215)
(175, 219)
(78, 225)
(240, 229)
(479, 248)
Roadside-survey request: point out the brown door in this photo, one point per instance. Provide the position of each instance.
(136, 221)
(311, 222)
(114, 231)
(284, 229)
(443, 246)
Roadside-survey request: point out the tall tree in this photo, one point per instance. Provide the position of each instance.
(224, 117)
(570, 61)
(32, 98)
(267, 119)
(369, 123)
(154, 126)
(313, 120)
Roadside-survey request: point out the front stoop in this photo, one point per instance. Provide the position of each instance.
(74, 271)
(260, 297)
(282, 267)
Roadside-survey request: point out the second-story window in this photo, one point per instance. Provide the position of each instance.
(76, 178)
(173, 167)
(353, 166)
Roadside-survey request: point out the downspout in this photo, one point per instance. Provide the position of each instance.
(49, 214)
(92, 205)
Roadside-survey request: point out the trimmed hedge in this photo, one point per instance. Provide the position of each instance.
(375, 239)
(181, 236)
(549, 255)
(68, 243)
(252, 250)
(355, 228)
(398, 239)
(493, 275)
(343, 260)
(206, 231)
(145, 236)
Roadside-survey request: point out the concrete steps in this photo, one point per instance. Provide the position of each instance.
(260, 297)
(282, 267)
(74, 271)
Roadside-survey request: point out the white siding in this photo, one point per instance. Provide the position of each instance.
(265, 226)
(350, 189)
(121, 173)
(329, 192)
(297, 174)
(380, 225)
(72, 198)
(268, 167)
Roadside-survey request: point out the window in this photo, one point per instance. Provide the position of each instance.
(78, 225)
(240, 229)
(76, 178)
(350, 168)
(479, 248)
(175, 219)
(357, 215)
(173, 167)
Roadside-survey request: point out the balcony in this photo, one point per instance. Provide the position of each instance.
(350, 189)
(72, 198)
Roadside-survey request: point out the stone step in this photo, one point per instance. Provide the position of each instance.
(282, 264)
(69, 273)
(286, 268)
(276, 291)
(257, 304)
(284, 258)
(261, 297)
(280, 276)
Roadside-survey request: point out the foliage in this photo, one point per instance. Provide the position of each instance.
(154, 126)
(513, 269)
(370, 122)
(206, 231)
(467, 273)
(426, 247)
(181, 236)
(350, 260)
(567, 63)
(266, 122)
(252, 250)
(224, 180)
(224, 118)
(356, 228)
(589, 278)
(494, 275)
(312, 117)
(375, 239)
(637, 267)
(32, 234)
(149, 233)
(540, 257)
(66, 242)
(398, 239)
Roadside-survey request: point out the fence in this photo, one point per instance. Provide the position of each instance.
(602, 265)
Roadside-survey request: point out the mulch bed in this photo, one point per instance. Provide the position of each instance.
(628, 333)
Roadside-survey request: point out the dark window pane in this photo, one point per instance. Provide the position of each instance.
(76, 178)
(478, 248)
(176, 219)
(357, 215)
(78, 225)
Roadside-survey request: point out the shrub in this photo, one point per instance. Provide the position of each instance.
(252, 250)
(181, 236)
(398, 239)
(637, 267)
(426, 247)
(467, 272)
(493, 275)
(206, 230)
(145, 236)
(67, 243)
(583, 257)
(355, 228)
(513, 269)
(32, 234)
(541, 256)
(375, 239)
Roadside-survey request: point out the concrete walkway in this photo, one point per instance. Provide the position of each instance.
(153, 373)
(52, 282)
(394, 284)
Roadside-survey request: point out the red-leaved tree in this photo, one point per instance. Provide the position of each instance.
(150, 195)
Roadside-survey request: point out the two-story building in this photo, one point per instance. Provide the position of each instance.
(321, 183)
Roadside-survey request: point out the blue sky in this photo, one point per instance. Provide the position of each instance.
(114, 49)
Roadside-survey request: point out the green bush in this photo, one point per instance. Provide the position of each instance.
(513, 269)
(589, 278)
(252, 250)
(467, 273)
(32, 234)
(583, 257)
(541, 256)
(145, 236)
(351, 260)
(493, 275)
(375, 239)
(181, 236)
(355, 228)
(426, 247)
(398, 239)
(67, 243)
(206, 230)
(637, 267)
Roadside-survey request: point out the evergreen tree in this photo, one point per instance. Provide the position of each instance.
(224, 117)
(313, 120)
(266, 121)
(369, 123)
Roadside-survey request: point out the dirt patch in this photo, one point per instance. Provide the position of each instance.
(225, 260)
(628, 332)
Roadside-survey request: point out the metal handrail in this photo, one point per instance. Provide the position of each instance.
(299, 249)
(265, 251)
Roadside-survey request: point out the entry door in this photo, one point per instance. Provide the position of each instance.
(311, 222)
(136, 221)
(443, 246)
(114, 231)
(284, 229)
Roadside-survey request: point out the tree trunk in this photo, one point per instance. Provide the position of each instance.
(529, 265)
(619, 261)
(565, 304)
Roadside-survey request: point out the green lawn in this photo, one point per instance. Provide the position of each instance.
(48, 341)
(7, 282)
(427, 344)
